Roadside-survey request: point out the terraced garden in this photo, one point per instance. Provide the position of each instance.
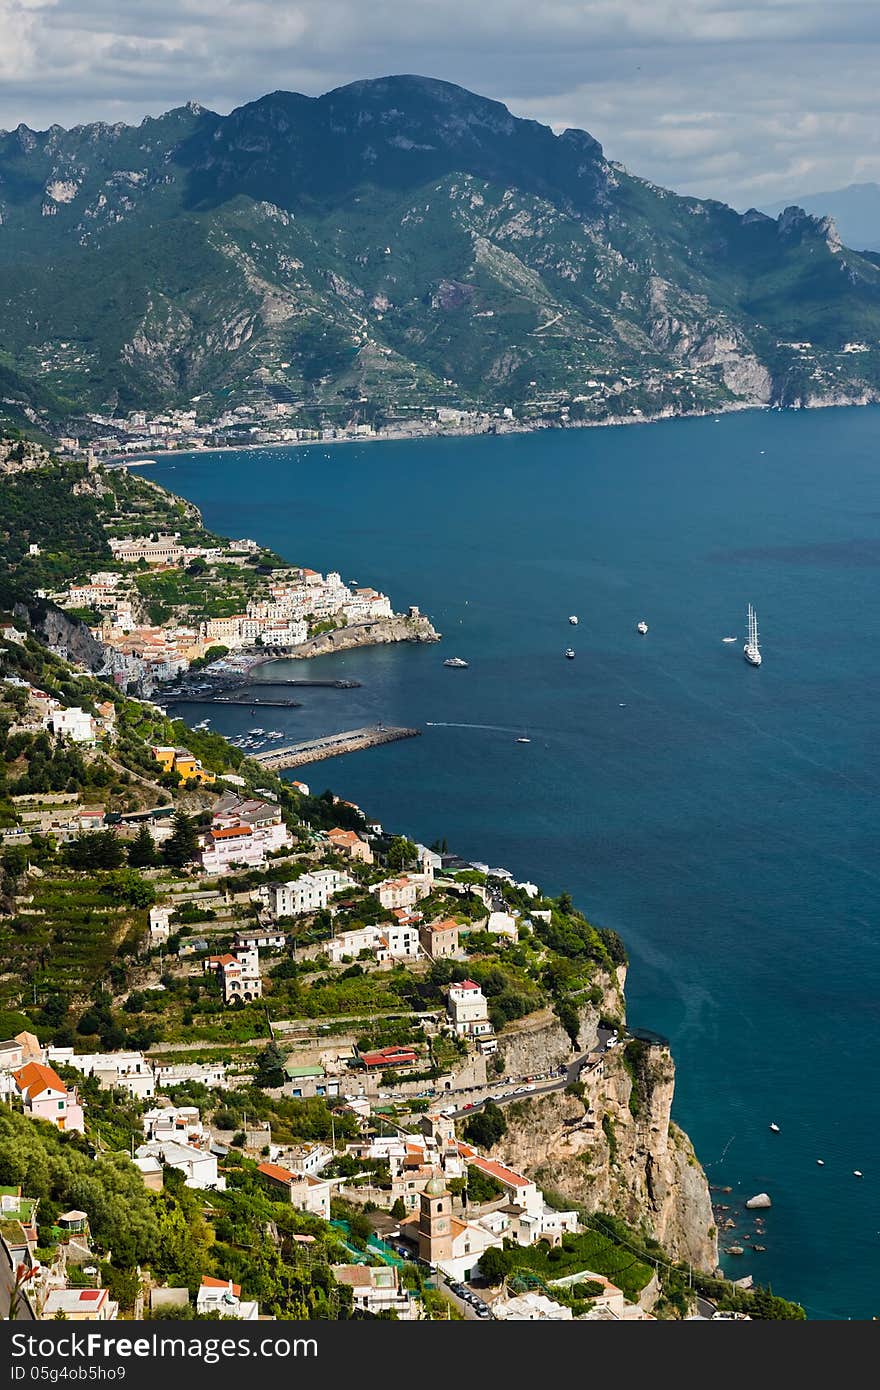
(67, 936)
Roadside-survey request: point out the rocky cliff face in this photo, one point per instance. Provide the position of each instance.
(400, 628)
(614, 1148)
(68, 636)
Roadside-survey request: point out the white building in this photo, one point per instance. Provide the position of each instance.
(375, 1289)
(79, 1305)
(388, 941)
(199, 1166)
(502, 924)
(224, 1297)
(468, 1008)
(180, 1122)
(531, 1307)
(129, 1071)
(309, 893)
(239, 975)
(179, 1073)
(398, 893)
(73, 723)
(160, 925)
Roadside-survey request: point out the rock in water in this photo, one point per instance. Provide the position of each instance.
(762, 1200)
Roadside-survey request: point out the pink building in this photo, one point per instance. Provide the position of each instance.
(45, 1097)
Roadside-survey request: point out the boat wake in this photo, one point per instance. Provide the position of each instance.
(492, 728)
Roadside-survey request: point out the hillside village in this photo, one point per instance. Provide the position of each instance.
(261, 1056)
(136, 571)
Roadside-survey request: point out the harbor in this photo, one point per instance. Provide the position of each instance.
(331, 746)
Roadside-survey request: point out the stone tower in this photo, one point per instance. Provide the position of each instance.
(435, 1222)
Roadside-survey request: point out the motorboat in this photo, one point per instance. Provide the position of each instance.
(642, 627)
(457, 662)
(775, 1128)
(569, 652)
(573, 619)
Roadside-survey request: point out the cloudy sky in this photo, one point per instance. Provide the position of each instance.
(746, 100)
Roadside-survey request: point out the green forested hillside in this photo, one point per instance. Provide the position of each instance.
(399, 243)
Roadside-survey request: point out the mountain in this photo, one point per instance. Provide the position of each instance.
(855, 209)
(396, 245)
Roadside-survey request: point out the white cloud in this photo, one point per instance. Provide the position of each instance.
(747, 101)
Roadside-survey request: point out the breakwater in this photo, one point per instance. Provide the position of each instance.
(332, 746)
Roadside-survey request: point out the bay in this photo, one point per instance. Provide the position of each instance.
(723, 819)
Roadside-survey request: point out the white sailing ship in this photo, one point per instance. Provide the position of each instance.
(751, 650)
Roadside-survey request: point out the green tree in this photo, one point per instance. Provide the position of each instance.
(495, 1264)
(142, 852)
(487, 1126)
(400, 853)
(270, 1066)
(183, 845)
(99, 850)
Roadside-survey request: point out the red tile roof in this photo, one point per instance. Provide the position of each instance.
(389, 1057)
(36, 1078)
(229, 830)
(274, 1170)
(498, 1170)
(209, 1283)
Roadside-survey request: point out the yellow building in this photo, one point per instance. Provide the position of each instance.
(188, 768)
(164, 756)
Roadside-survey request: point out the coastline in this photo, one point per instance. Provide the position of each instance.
(144, 459)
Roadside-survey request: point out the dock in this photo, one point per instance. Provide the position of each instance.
(331, 746)
(249, 703)
(312, 685)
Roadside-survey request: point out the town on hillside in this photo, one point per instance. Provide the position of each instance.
(265, 1058)
(153, 595)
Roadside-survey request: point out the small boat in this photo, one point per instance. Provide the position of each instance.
(642, 627)
(751, 650)
(573, 619)
(775, 1128)
(728, 639)
(569, 652)
(821, 1162)
(857, 1173)
(455, 661)
(523, 739)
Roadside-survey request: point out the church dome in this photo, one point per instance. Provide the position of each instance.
(435, 1187)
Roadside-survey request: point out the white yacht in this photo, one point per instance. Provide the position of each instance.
(642, 627)
(457, 662)
(569, 652)
(573, 619)
(751, 650)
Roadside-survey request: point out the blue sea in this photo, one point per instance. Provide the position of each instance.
(723, 819)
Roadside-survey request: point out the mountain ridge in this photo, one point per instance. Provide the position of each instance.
(399, 244)
(855, 208)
